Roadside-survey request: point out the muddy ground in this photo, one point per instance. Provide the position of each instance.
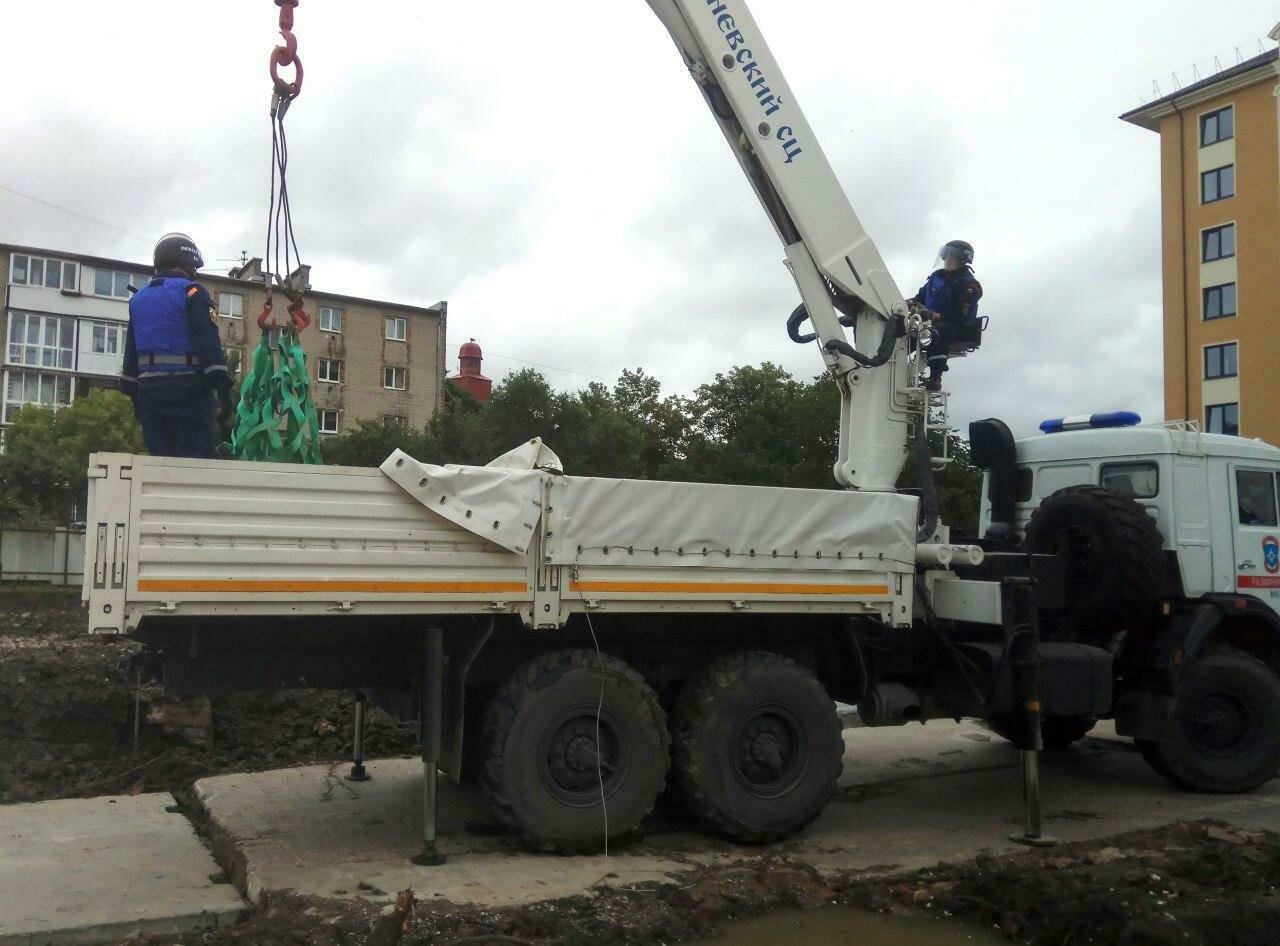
(67, 715)
(67, 728)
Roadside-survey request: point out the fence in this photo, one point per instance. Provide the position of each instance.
(55, 555)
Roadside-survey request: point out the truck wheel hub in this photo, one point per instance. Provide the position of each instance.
(769, 751)
(575, 766)
(1219, 723)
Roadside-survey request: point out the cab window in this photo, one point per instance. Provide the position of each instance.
(1139, 480)
(1256, 497)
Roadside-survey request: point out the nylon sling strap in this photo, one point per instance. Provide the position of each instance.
(275, 394)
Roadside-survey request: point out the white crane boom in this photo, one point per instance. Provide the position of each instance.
(833, 260)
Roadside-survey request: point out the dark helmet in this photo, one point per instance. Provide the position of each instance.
(177, 251)
(958, 250)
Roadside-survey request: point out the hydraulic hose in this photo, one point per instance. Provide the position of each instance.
(893, 331)
(928, 488)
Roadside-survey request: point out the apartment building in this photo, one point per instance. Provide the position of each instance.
(1220, 210)
(65, 316)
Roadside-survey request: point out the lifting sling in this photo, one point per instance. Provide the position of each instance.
(276, 417)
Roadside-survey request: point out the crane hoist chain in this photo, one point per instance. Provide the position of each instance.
(276, 417)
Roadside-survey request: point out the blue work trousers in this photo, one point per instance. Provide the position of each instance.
(178, 417)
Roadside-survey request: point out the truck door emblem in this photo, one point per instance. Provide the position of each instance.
(1271, 554)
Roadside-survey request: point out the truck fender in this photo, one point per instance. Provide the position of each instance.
(1148, 713)
(1187, 636)
(1234, 609)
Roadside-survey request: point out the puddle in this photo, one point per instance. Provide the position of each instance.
(849, 926)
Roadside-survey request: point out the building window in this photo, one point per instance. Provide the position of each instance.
(1220, 301)
(1222, 419)
(1218, 243)
(27, 387)
(328, 422)
(38, 271)
(40, 341)
(231, 305)
(234, 358)
(114, 284)
(1220, 361)
(393, 378)
(1218, 184)
(274, 335)
(396, 328)
(1256, 498)
(330, 320)
(329, 371)
(106, 338)
(1217, 126)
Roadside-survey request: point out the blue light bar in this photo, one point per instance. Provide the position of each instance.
(1092, 421)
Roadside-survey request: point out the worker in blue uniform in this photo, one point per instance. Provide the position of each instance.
(950, 296)
(174, 368)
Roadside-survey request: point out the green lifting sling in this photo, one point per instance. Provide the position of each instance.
(277, 390)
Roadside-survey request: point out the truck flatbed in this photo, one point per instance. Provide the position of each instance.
(178, 537)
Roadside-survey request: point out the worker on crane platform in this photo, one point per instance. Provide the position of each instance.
(173, 361)
(950, 296)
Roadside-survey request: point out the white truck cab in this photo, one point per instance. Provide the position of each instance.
(1213, 497)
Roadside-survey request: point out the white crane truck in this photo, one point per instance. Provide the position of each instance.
(596, 637)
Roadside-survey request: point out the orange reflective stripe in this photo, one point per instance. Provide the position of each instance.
(193, 290)
(304, 586)
(727, 587)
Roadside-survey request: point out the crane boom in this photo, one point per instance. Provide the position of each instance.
(832, 258)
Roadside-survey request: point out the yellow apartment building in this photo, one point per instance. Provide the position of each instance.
(1220, 218)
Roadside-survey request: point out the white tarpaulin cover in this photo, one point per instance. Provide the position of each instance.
(530, 455)
(806, 528)
(500, 504)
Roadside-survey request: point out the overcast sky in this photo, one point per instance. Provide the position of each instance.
(551, 170)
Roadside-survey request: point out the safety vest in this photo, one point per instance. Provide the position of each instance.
(942, 295)
(158, 313)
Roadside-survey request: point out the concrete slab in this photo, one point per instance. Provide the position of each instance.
(909, 798)
(88, 870)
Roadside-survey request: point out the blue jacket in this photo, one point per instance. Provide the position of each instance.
(172, 333)
(954, 295)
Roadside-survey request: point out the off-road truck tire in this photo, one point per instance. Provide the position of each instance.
(757, 747)
(543, 772)
(1226, 726)
(1114, 554)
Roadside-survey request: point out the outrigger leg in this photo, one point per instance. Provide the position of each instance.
(432, 703)
(358, 773)
(1022, 630)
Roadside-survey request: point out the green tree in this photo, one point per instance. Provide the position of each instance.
(523, 406)
(44, 469)
(761, 426)
(665, 423)
(370, 442)
(599, 437)
(460, 429)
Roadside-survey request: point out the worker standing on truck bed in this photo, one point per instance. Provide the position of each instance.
(173, 360)
(951, 295)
